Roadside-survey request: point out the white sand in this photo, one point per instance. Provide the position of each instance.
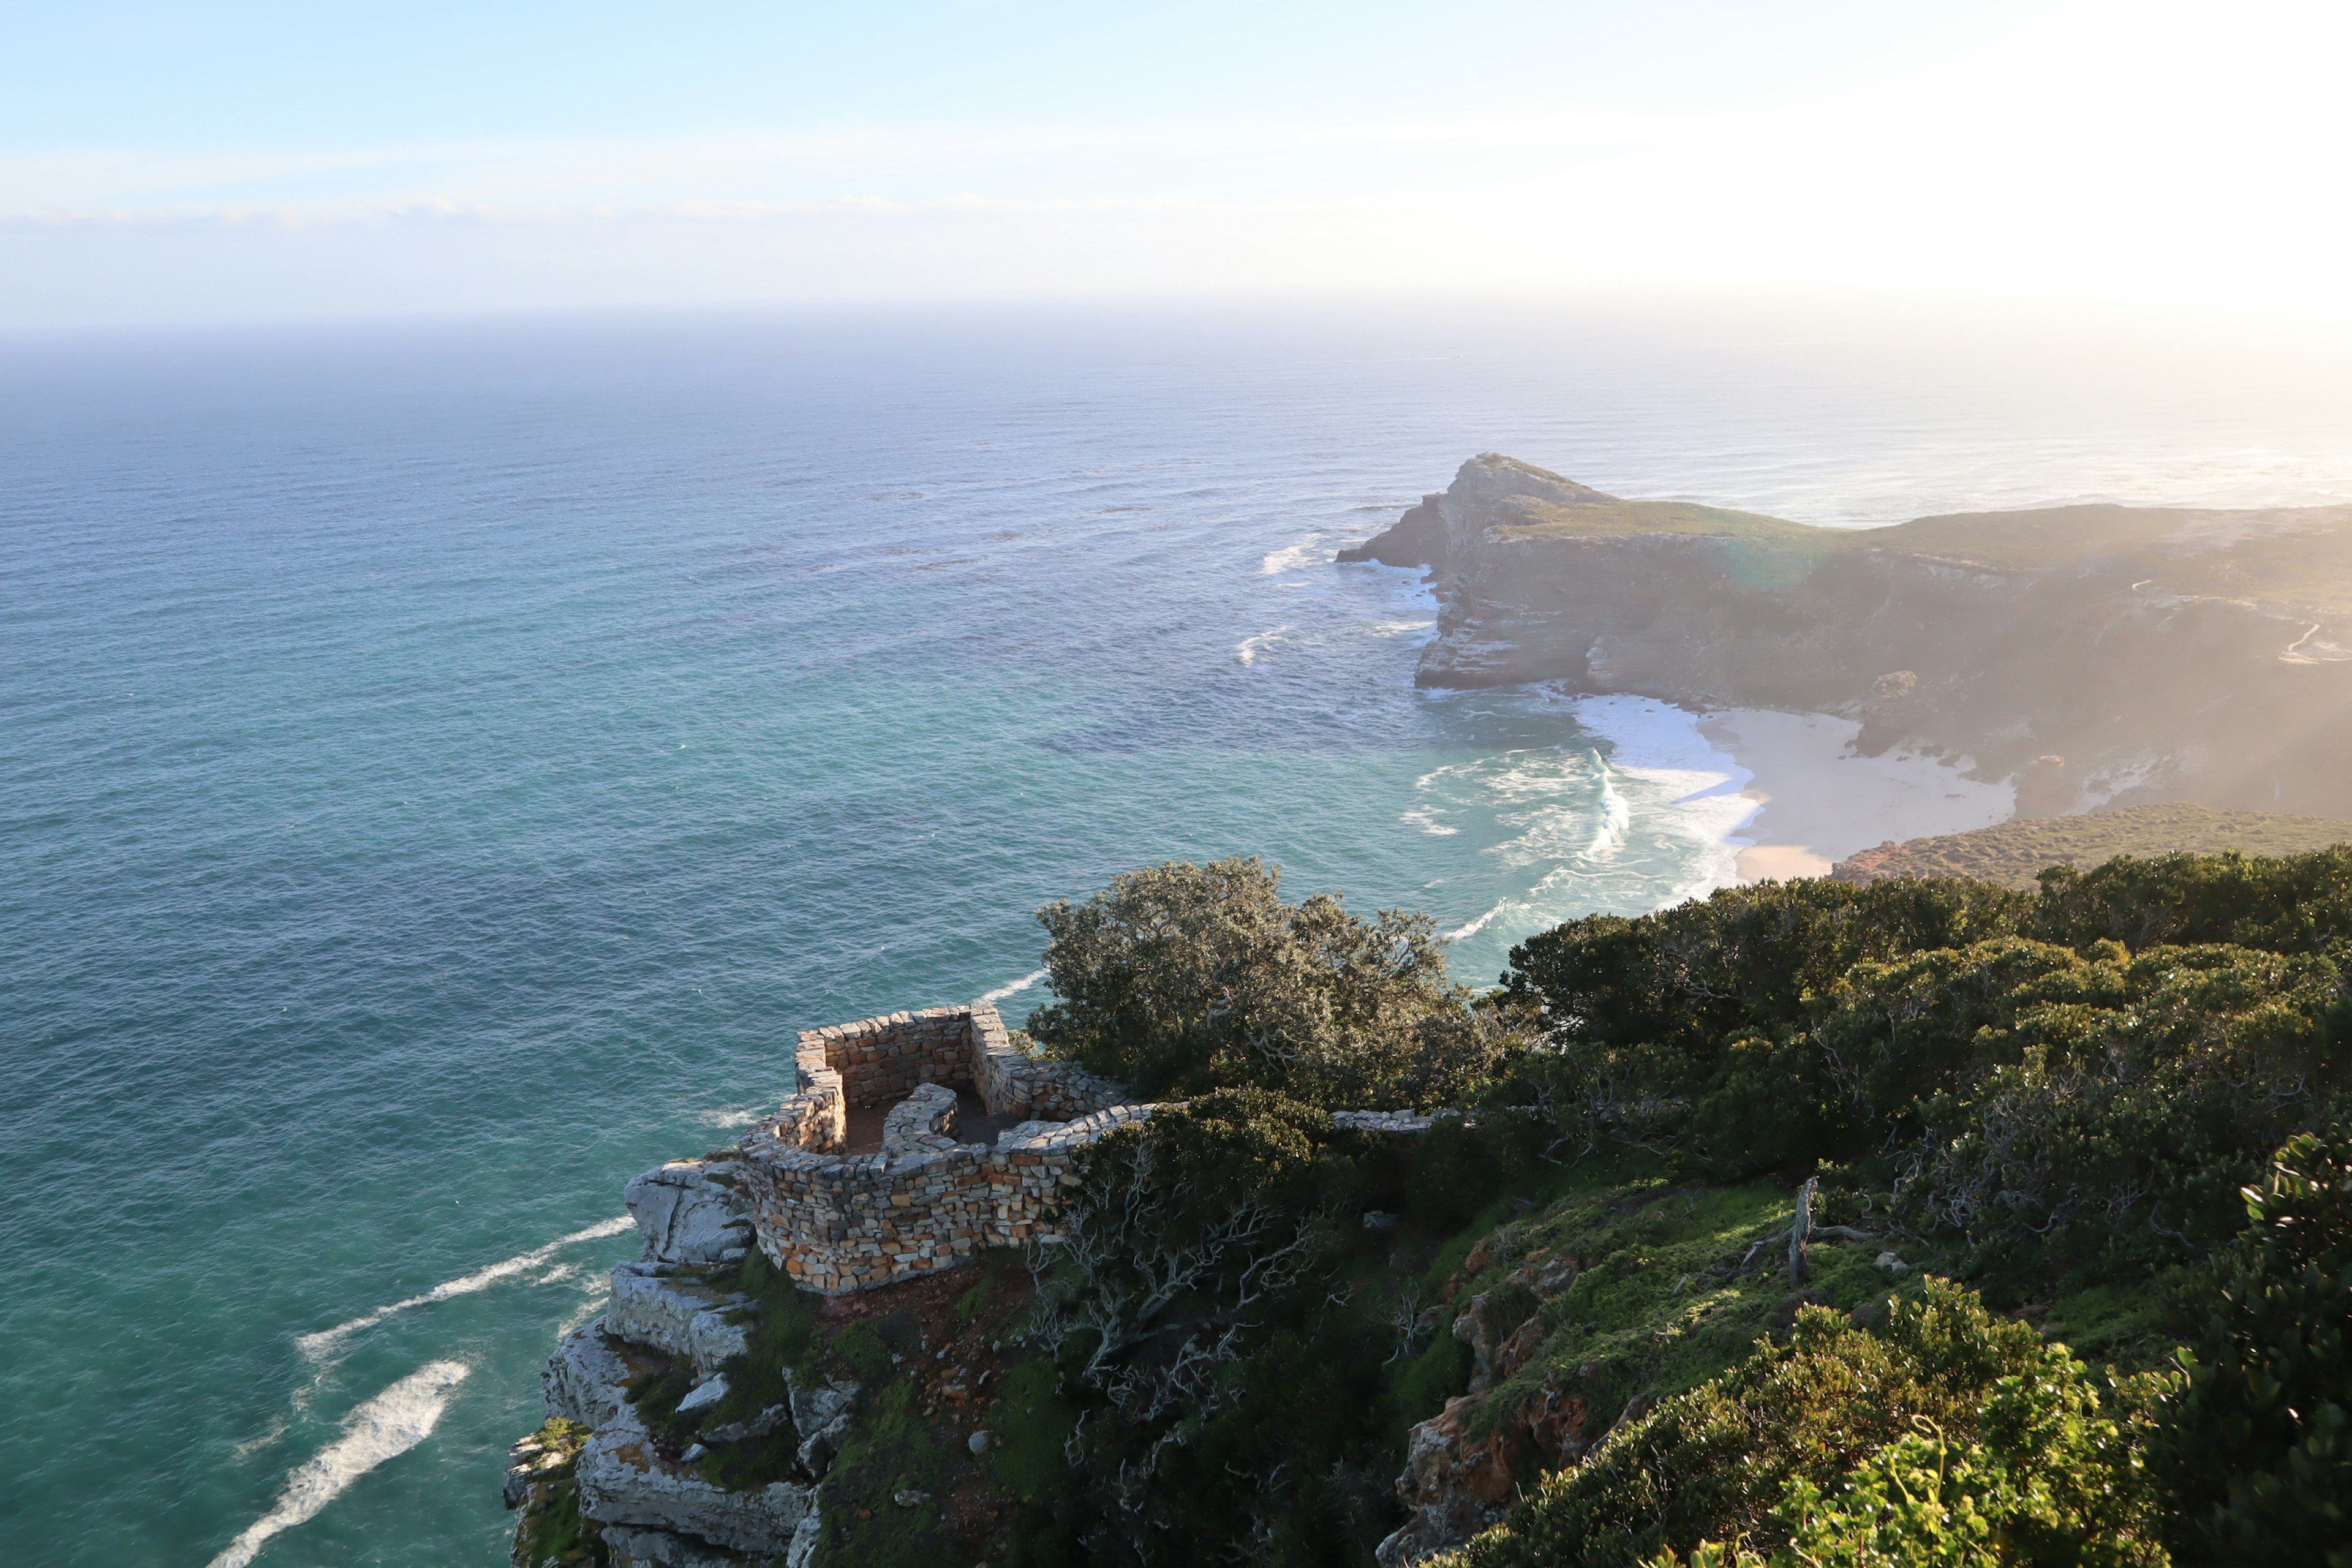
(1819, 802)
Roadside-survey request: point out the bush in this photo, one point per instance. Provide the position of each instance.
(2288, 903)
(2065, 1112)
(1685, 1027)
(1181, 978)
(2257, 1445)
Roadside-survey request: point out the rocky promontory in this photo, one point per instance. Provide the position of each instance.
(2095, 653)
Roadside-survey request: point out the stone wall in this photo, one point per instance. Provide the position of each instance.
(925, 1201)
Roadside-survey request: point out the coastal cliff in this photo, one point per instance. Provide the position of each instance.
(2098, 654)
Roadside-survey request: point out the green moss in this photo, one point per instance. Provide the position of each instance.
(1029, 1426)
(890, 1451)
(1438, 1372)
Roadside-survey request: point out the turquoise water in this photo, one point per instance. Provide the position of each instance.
(444, 765)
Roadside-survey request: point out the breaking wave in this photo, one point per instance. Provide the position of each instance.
(383, 1429)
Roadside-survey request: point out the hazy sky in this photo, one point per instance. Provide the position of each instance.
(162, 162)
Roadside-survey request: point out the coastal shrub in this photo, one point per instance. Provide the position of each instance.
(2100, 1114)
(1683, 1028)
(1723, 1462)
(1223, 1371)
(2257, 1442)
(1181, 978)
(2287, 903)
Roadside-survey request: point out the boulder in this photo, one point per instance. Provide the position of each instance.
(692, 1211)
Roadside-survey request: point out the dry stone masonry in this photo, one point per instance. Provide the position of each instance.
(839, 1222)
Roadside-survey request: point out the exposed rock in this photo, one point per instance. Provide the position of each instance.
(805, 1540)
(774, 1419)
(583, 1380)
(1452, 1488)
(634, 1548)
(818, 1404)
(978, 1442)
(678, 1315)
(820, 1443)
(710, 1391)
(533, 1462)
(692, 1211)
(622, 1480)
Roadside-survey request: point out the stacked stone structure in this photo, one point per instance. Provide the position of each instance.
(839, 1223)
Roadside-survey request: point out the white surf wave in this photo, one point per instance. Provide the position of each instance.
(1013, 988)
(384, 1428)
(1616, 817)
(1248, 648)
(1291, 556)
(1398, 629)
(317, 1345)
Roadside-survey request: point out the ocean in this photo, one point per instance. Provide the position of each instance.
(445, 762)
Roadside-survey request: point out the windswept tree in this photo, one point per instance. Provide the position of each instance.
(1179, 978)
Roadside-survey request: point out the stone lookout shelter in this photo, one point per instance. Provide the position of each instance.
(916, 1141)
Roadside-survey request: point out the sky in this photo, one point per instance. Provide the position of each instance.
(232, 161)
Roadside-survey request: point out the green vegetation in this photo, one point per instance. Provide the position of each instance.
(1745, 1456)
(2021, 1124)
(550, 1533)
(2269, 1381)
(1922, 1222)
(2014, 854)
(1181, 978)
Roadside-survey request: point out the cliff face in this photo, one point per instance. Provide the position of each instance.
(2161, 654)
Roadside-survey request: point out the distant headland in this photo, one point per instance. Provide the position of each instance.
(2091, 655)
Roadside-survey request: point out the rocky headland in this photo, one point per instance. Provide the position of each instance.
(2093, 654)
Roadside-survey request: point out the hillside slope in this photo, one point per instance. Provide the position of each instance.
(2013, 852)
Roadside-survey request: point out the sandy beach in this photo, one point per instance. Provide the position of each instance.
(1819, 802)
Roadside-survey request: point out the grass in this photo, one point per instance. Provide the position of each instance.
(1660, 1301)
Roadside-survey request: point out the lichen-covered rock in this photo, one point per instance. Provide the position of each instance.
(1452, 1488)
(583, 1379)
(692, 1211)
(622, 1480)
(676, 1314)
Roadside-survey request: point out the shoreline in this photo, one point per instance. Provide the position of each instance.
(1777, 795)
(1817, 801)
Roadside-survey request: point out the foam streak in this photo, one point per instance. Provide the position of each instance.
(384, 1428)
(1002, 992)
(317, 1345)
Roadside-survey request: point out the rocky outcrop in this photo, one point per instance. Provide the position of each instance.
(586, 1379)
(692, 1211)
(2162, 654)
(653, 1507)
(624, 1479)
(677, 1314)
(1455, 1484)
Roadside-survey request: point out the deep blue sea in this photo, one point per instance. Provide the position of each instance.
(441, 766)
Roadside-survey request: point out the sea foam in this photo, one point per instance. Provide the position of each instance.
(320, 1344)
(384, 1428)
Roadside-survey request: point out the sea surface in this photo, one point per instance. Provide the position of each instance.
(442, 764)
